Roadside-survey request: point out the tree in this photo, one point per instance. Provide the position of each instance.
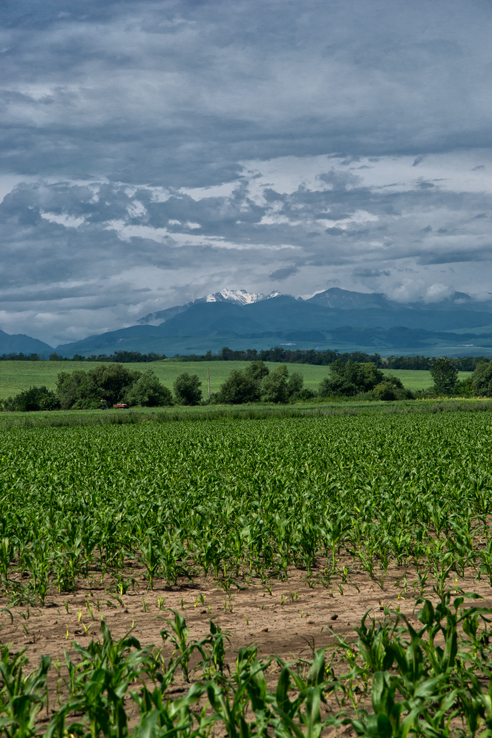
(274, 386)
(239, 387)
(257, 371)
(445, 376)
(74, 387)
(105, 384)
(114, 380)
(294, 385)
(187, 389)
(482, 379)
(147, 391)
(350, 379)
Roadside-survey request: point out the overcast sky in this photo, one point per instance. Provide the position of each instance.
(153, 152)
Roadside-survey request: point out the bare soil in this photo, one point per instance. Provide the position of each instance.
(286, 618)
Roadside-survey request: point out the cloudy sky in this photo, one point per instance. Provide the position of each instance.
(152, 152)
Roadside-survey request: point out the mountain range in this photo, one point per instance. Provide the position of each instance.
(335, 318)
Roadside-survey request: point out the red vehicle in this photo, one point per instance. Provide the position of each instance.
(122, 406)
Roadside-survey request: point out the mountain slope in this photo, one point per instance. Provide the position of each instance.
(19, 343)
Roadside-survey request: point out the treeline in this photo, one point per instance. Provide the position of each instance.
(285, 356)
(461, 363)
(118, 357)
(110, 384)
(328, 357)
(22, 357)
(276, 354)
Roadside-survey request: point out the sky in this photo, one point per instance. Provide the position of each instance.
(152, 152)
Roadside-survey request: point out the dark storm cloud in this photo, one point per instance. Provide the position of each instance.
(281, 274)
(366, 273)
(179, 92)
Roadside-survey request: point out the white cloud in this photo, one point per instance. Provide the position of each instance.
(437, 292)
(69, 221)
(136, 209)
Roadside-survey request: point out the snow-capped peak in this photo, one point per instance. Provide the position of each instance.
(239, 296)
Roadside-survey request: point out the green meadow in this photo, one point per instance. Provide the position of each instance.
(16, 376)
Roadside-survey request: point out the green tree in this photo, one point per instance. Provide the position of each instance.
(294, 385)
(239, 387)
(274, 386)
(445, 376)
(105, 384)
(350, 379)
(257, 371)
(482, 379)
(147, 391)
(114, 380)
(187, 389)
(73, 387)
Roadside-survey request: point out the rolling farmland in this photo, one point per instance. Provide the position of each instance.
(16, 376)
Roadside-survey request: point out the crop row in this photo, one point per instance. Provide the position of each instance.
(232, 499)
(432, 678)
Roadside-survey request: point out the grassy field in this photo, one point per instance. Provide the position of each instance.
(16, 376)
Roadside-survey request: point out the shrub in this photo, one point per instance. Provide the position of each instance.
(384, 391)
(306, 394)
(35, 398)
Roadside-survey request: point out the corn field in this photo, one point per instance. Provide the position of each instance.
(243, 502)
(244, 499)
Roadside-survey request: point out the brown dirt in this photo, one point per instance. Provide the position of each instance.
(287, 618)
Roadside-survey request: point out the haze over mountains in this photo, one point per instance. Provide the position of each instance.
(335, 318)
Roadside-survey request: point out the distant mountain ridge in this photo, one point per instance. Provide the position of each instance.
(334, 318)
(334, 298)
(328, 319)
